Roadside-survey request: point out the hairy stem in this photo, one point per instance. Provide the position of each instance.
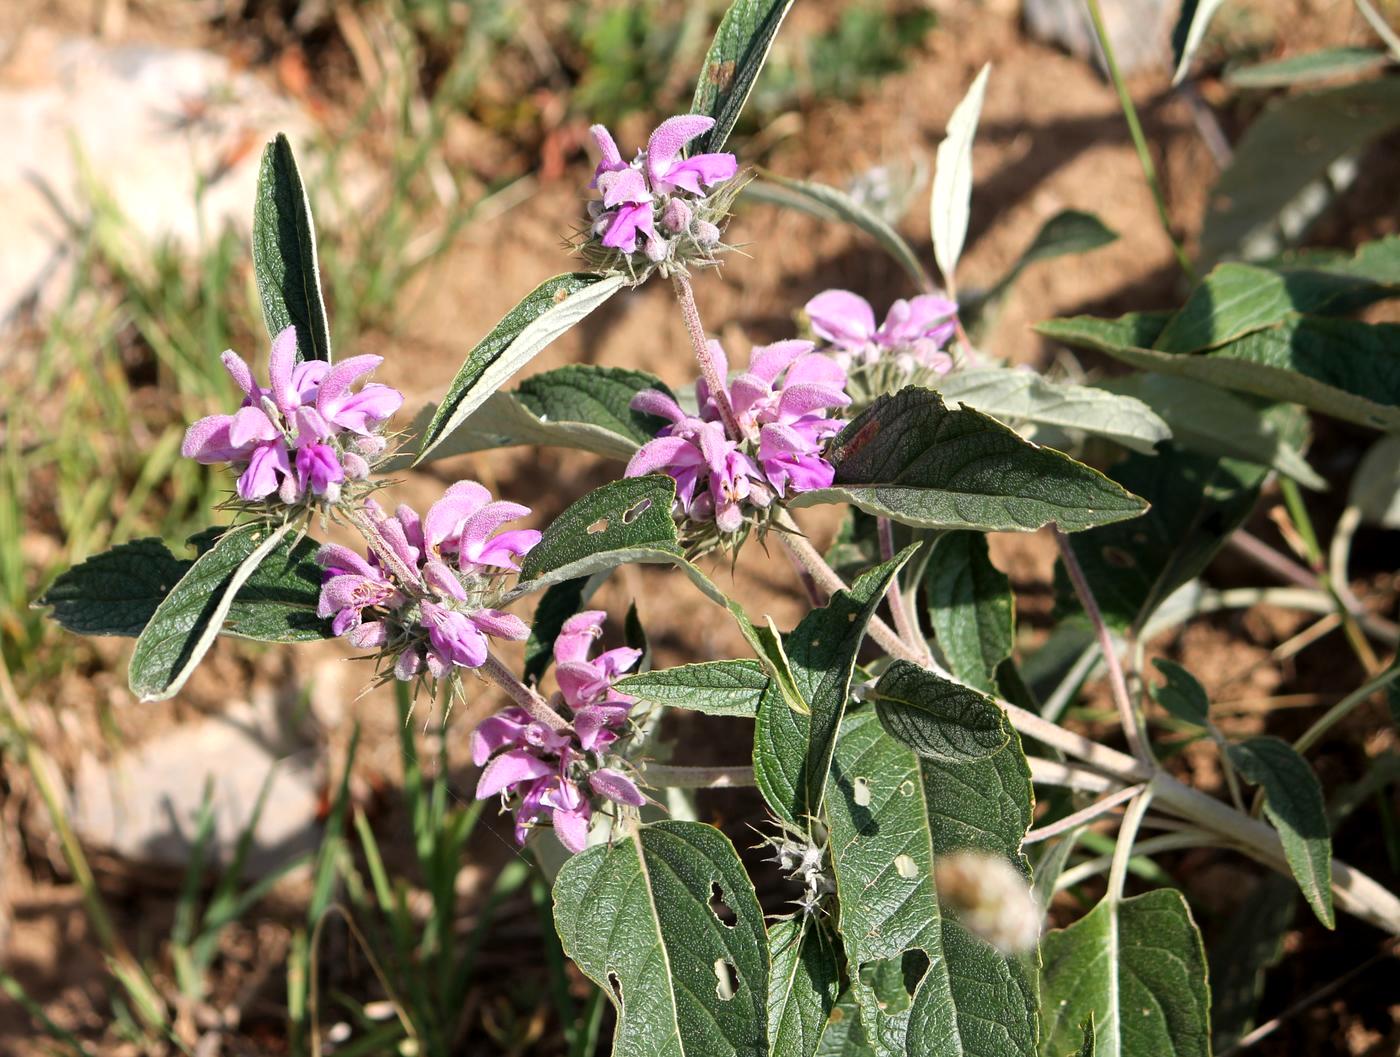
(1083, 815)
(903, 623)
(374, 538)
(714, 379)
(521, 694)
(1127, 836)
(660, 775)
(1117, 682)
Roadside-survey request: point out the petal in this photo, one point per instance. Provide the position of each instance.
(611, 157)
(661, 456)
(279, 368)
(768, 361)
(240, 372)
(626, 186)
(251, 425)
(501, 625)
(342, 376)
(818, 369)
(266, 468)
(842, 317)
(508, 769)
(670, 137)
(365, 411)
(662, 405)
(335, 556)
(578, 635)
(478, 528)
(799, 400)
(446, 516)
(207, 441)
(571, 827)
(441, 579)
(701, 171)
(617, 787)
(501, 551)
(493, 734)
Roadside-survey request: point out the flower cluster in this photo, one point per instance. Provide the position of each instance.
(658, 208)
(303, 437)
(554, 773)
(908, 347)
(780, 411)
(802, 859)
(425, 594)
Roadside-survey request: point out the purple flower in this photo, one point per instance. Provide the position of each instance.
(291, 438)
(914, 332)
(781, 404)
(641, 205)
(428, 583)
(544, 772)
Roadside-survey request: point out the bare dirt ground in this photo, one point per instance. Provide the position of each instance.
(1051, 137)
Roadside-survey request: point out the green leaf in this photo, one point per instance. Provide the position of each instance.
(732, 65)
(572, 407)
(1196, 503)
(560, 602)
(950, 204)
(1295, 806)
(1190, 30)
(1089, 1047)
(603, 527)
(1375, 487)
(892, 813)
(1181, 694)
(637, 918)
(802, 985)
(716, 688)
(1016, 397)
(278, 601)
(116, 592)
(1311, 66)
(971, 608)
(829, 203)
(1238, 299)
(843, 1035)
(910, 458)
(940, 720)
(792, 752)
(1251, 944)
(1286, 149)
(1137, 968)
(284, 254)
(548, 311)
(1218, 422)
(1069, 231)
(184, 625)
(1339, 367)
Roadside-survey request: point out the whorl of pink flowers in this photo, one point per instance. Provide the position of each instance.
(780, 403)
(657, 197)
(554, 774)
(304, 435)
(913, 334)
(424, 593)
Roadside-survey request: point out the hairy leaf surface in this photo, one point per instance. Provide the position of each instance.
(971, 608)
(732, 65)
(717, 688)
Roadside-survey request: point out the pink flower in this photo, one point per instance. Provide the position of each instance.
(544, 772)
(289, 439)
(914, 332)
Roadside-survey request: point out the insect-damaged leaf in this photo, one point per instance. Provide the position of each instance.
(924, 984)
(640, 918)
(910, 458)
(802, 985)
(732, 65)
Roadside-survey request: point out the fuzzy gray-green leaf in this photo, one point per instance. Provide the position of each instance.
(971, 607)
(938, 719)
(716, 688)
(802, 985)
(732, 65)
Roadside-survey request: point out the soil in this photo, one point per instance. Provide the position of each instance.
(1051, 137)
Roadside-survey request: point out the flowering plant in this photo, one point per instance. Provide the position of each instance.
(888, 724)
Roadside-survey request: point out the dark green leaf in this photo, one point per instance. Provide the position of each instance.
(971, 608)
(938, 719)
(780, 739)
(560, 602)
(605, 526)
(184, 625)
(1067, 232)
(1188, 33)
(284, 254)
(1286, 149)
(1311, 66)
(638, 917)
(1250, 945)
(717, 688)
(1196, 503)
(892, 813)
(1339, 367)
(843, 1035)
(732, 65)
(910, 458)
(548, 311)
(1295, 806)
(1375, 487)
(116, 592)
(1181, 694)
(1137, 968)
(802, 985)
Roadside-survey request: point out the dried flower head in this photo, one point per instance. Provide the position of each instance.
(991, 898)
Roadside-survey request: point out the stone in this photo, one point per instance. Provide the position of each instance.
(170, 136)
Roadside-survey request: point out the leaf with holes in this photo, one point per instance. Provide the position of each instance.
(1136, 966)
(1181, 694)
(184, 625)
(716, 688)
(971, 608)
(828, 202)
(1021, 398)
(802, 985)
(925, 985)
(548, 311)
(910, 458)
(950, 204)
(938, 719)
(732, 65)
(1295, 806)
(1196, 503)
(284, 254)
(1340, 367)
(665, 921)
(843, 1035)
(792, 752)
(578, 406)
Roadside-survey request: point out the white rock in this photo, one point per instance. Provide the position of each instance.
(145, 125)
